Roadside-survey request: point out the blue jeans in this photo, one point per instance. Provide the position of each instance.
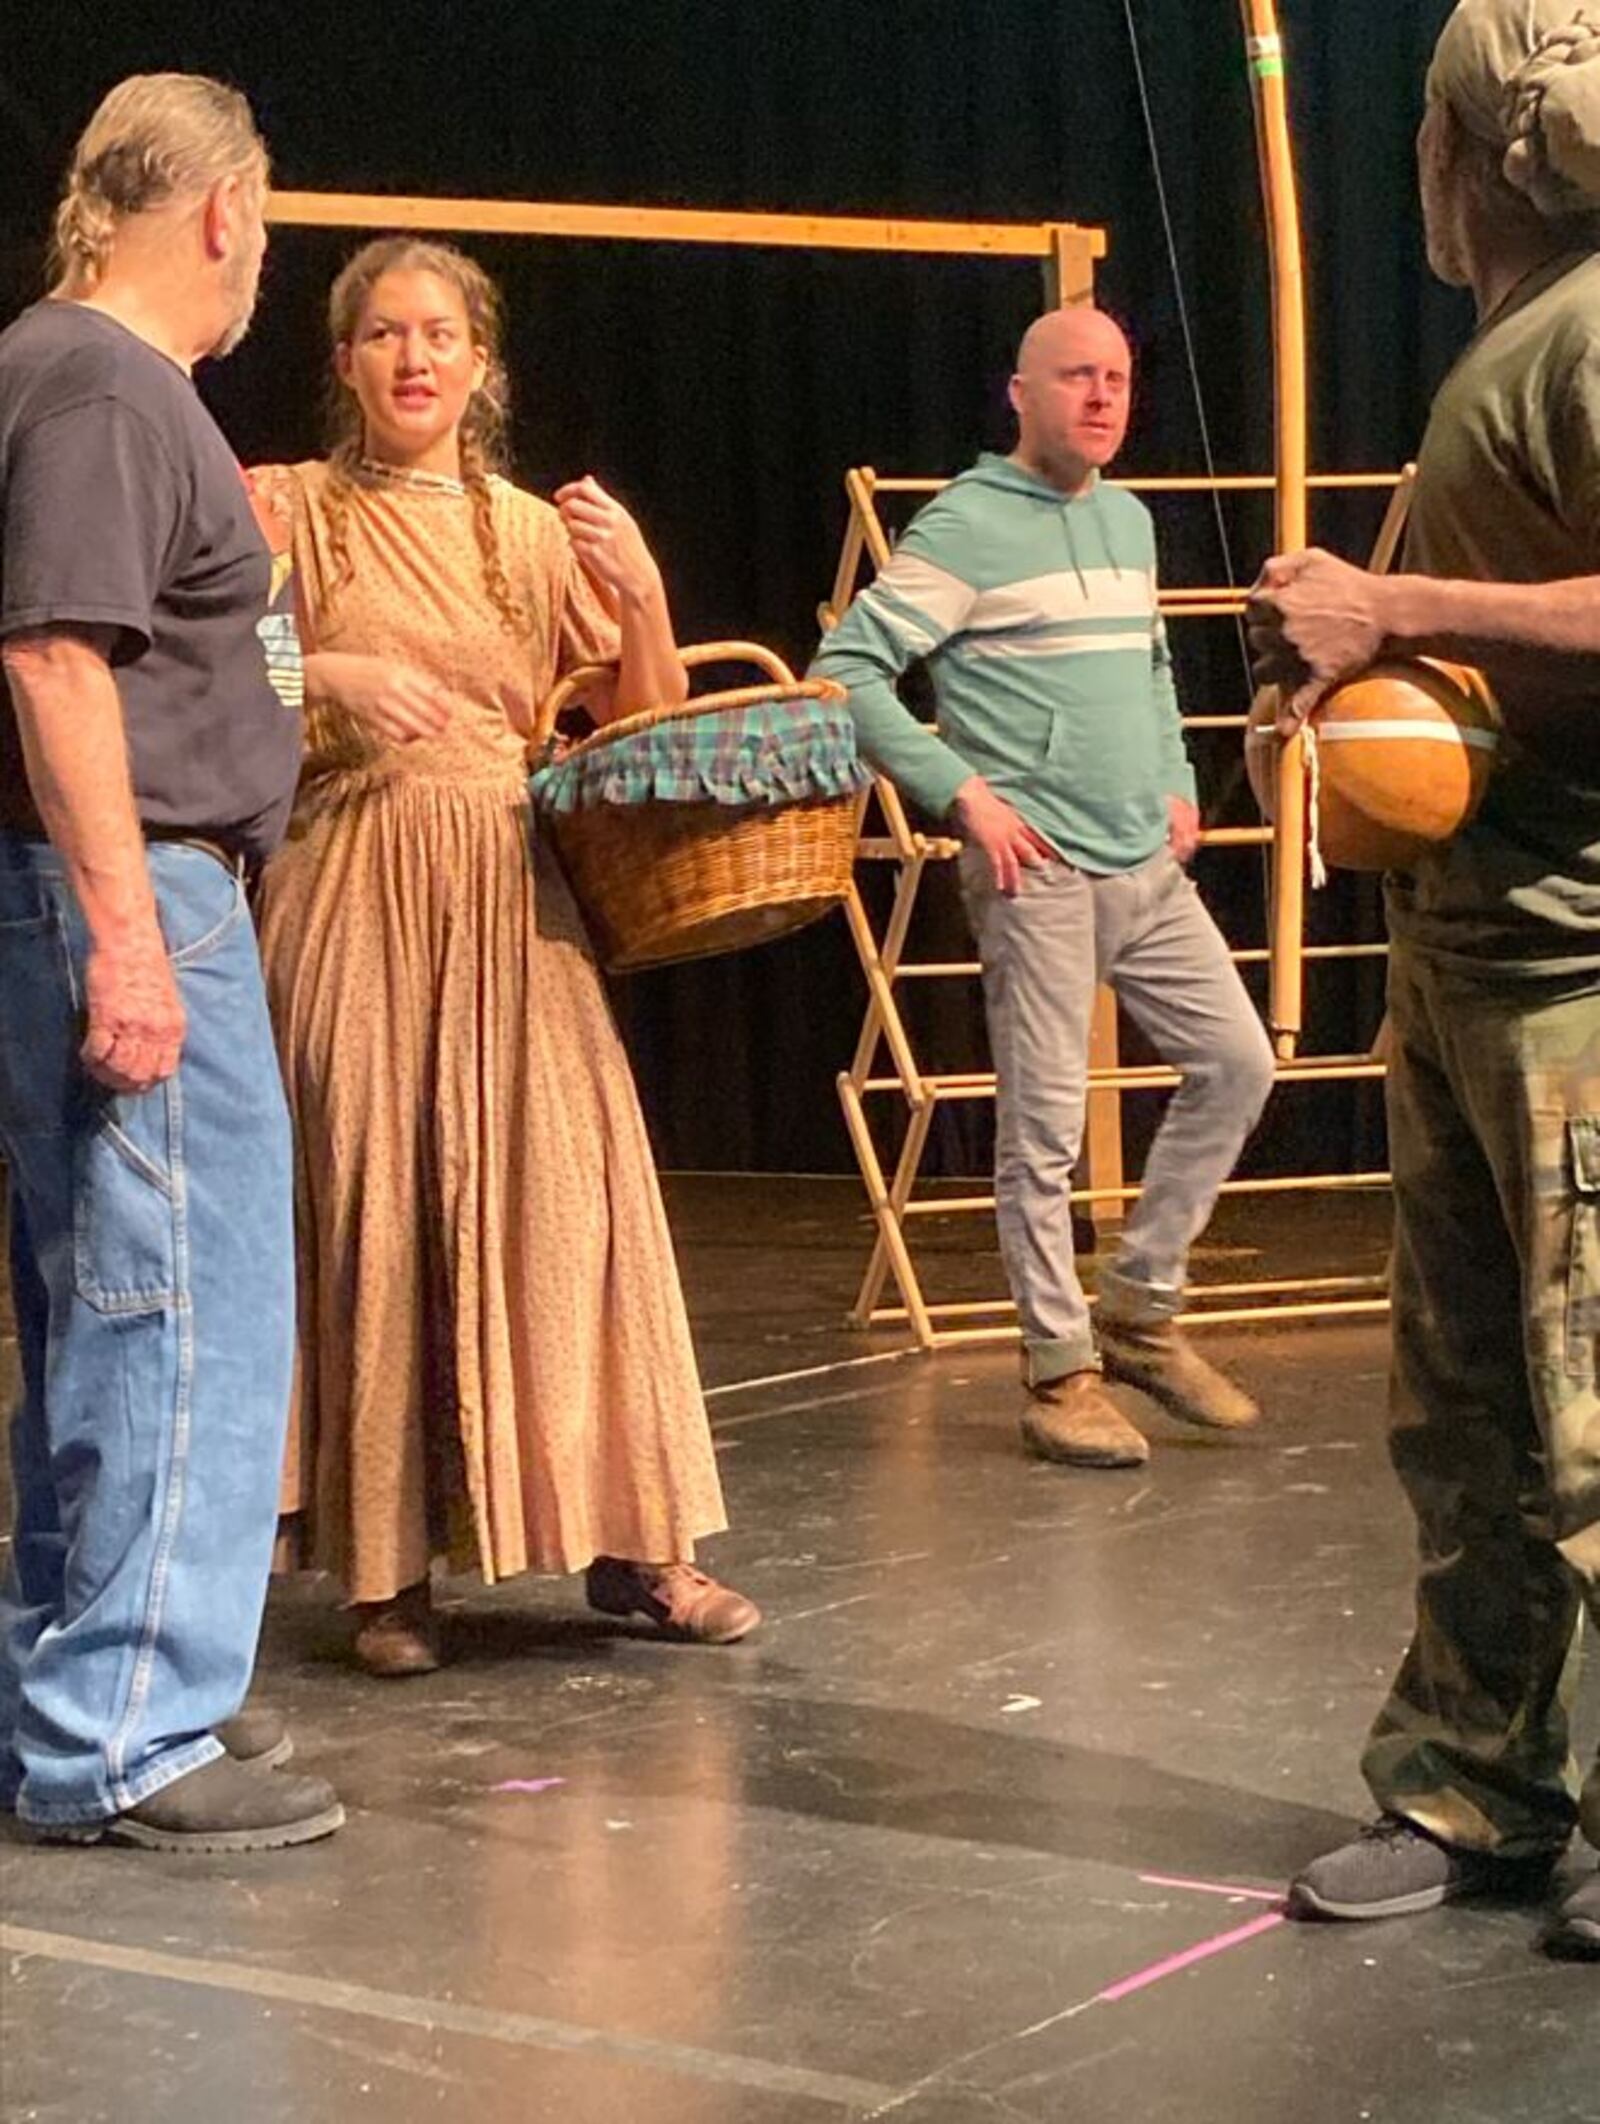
(152, 1269)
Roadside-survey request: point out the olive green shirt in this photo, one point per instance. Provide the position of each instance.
(1508, 491)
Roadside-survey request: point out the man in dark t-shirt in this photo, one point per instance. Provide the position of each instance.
(1494, 997)
(126, 511)
(147, 760)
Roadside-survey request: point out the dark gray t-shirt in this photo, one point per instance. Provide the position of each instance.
(122, 506)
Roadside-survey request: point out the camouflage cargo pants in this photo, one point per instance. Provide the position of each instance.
(1494, 1120)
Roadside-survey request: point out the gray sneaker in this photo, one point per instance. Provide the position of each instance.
(1575, 1935)
(1394, 1869)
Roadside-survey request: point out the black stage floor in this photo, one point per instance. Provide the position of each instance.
(1015, 1743)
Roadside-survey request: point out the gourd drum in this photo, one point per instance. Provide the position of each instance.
(1398, 759)
(704, 828)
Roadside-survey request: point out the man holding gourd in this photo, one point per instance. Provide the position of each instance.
(1494, 994)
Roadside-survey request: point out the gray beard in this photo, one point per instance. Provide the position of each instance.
(233, 335)
(239, 324)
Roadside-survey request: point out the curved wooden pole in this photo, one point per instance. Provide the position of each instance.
(1265, 49)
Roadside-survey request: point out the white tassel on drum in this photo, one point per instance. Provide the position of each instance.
(1262, 746)
(1313, 758)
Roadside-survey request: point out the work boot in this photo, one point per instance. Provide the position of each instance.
(1073, 1419)
(1393, 1869)
(1575, 1935)
(681, 1601)
(1142, 1345)
(256, 1735)
(222, 1806)
(251, 1736)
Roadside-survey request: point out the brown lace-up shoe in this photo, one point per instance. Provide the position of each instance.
(400, 1636)
(681, 1601)
(1073, 1419)
(1157, 1357)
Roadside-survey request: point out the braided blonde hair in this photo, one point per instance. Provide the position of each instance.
(155, 138)
(483, 424)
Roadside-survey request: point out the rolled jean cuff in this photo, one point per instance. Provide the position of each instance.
(1125, 1297)
(1044, 1361)
(155, 1777)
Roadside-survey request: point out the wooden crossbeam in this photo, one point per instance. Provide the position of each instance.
(1045, 240)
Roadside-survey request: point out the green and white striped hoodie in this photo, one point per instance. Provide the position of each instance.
(1036, 614)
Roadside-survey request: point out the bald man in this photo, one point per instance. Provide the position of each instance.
(1029, 588)
(1494, 997)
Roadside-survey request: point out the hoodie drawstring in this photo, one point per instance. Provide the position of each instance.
(1090, 504)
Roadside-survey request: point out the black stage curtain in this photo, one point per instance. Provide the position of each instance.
(725, 392)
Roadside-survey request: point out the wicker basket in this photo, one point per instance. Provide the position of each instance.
(660, 881)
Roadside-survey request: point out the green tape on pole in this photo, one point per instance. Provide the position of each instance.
(1269, 68)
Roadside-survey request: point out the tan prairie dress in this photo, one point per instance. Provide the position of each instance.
(494, 1355)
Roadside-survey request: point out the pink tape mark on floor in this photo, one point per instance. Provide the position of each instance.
(1174, 1962)
(528, 1784)
(1247, 1895)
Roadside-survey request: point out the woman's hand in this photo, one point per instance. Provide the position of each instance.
(395, 701)
(609, 544)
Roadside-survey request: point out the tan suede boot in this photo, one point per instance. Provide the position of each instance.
(1073, 1419)
(1155, 1356)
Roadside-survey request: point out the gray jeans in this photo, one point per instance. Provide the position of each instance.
(1044, 952)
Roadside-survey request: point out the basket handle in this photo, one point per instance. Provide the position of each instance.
(584, 676)
(756, 653)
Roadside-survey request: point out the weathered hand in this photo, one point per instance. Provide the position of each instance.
(1183, 830)
(136, 1016)
(1313, 620)
(395, 701)
(609, 544)
(1004, 835)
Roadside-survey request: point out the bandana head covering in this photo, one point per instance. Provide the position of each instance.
(1524, 77)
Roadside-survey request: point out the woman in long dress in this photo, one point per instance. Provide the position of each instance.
(495, 1360)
